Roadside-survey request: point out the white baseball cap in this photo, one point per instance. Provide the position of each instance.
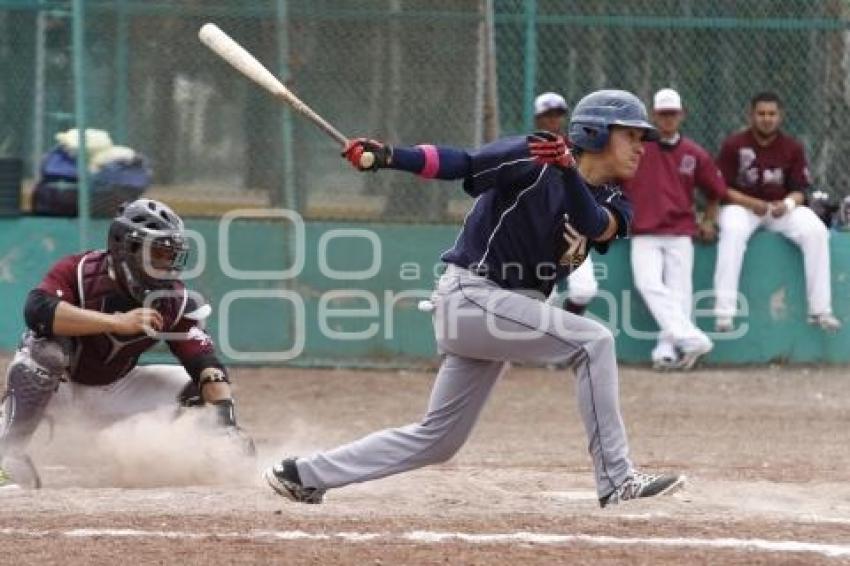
(549, 101)
(667, 99)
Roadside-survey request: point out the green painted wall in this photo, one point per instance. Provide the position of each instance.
(256, 329)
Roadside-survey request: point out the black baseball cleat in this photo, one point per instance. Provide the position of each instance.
(643, 485)
(285, 480)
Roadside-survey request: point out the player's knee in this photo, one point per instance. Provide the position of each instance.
(601, 340)
(583, 294)
(445, 449)
(27, 381)
(29, 387)
(38, 366)
(444, 439)
(51, 355)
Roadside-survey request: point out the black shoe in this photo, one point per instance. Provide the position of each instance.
(643, 485)
(574, 308)
(285, 480)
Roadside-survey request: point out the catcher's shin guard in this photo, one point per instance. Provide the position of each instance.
(31, 379)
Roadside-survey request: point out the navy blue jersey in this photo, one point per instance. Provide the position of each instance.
(514, 232)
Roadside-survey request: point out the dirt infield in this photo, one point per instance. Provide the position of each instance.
(766, 452)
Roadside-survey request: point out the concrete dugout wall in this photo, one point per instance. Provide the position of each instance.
(368, 279)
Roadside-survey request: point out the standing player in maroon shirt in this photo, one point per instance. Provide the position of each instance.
(767, 173)
(91, 318)
(662, 194)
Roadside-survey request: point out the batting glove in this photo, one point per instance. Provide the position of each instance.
(355, 149)
(550, 149)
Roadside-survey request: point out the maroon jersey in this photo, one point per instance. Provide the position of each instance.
(662, 190)
(84, 280)
(767, 172)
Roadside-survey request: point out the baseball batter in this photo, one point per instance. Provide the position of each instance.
(535, 208)
(87, 328)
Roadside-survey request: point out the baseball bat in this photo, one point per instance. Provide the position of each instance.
(225, 47)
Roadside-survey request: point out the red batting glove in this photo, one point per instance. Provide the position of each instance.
(550, 149)
(355, 149)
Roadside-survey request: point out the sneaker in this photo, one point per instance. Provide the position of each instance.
(665, 363)
(285, 480)
(6, 481)
(688, 357)
(643, 485)
(826, 321)
(724, 324)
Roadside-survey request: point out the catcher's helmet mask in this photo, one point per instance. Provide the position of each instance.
(147, 247)
(595, 115)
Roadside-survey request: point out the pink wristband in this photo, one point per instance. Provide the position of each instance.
(432, 161)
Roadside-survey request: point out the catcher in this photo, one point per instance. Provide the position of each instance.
(90, 319)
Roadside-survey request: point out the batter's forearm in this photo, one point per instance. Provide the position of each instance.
(587, 216)
(432, 162)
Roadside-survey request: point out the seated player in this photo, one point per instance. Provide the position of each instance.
(90, 319)
(768, 177)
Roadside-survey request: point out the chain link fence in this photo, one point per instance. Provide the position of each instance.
(407, 71)
(716, 54)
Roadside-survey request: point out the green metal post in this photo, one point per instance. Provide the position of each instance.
(288, 192)
(122, 58)
(78, 25)
(529, 64)
(38, 94)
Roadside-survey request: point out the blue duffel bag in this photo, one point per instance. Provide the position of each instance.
(116, 182)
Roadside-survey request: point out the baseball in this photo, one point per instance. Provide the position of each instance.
(367, 160)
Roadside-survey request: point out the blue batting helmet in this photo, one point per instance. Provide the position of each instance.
(594, 115)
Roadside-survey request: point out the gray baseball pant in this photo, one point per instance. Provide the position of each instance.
(481, 327)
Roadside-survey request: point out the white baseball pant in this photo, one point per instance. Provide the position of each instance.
(145, 388)
(801, 226)
(582, 283)
(581, 286)
(662, 269)
(481, 327)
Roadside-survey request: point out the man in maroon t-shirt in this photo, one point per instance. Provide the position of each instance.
(767, 174)
(662, 254)
(90, 319)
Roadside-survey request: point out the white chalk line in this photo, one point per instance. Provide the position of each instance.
(431, 537)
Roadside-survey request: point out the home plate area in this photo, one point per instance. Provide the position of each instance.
(764, 451)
